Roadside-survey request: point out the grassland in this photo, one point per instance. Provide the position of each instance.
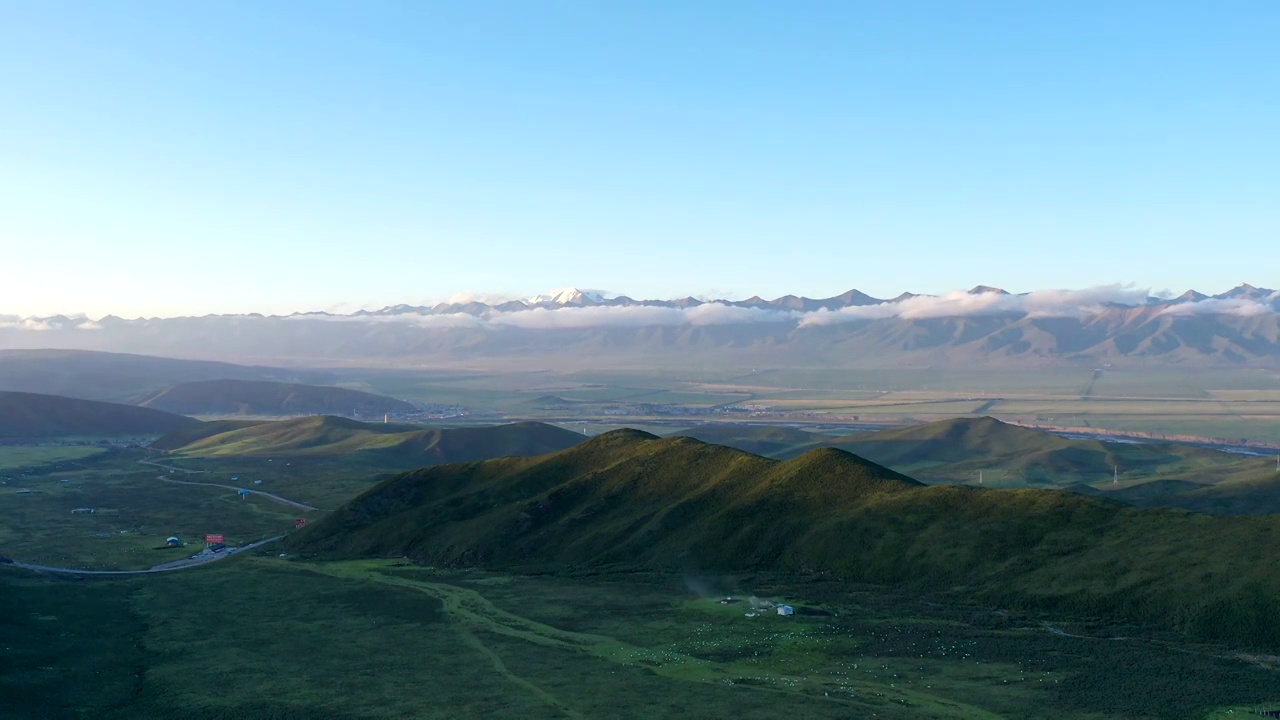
(134, 512)
(1209, 402)
(21, 457)
(391, 640)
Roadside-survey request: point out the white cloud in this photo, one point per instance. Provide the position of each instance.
(1042, 303)
(1238, 307)
(16, 323)
(1039, 304)
(638, 316)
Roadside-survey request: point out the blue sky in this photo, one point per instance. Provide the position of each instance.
(173, 158)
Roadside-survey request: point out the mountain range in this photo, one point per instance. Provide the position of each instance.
(981, 325)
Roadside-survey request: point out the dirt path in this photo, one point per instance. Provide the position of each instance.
(472, 611)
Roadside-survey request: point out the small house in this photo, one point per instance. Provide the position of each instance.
(786, 610)
(173, 541)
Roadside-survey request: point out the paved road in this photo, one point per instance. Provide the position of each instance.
(199, 560)
(277, 498)
(171, 467)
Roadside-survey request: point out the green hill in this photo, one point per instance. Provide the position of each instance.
(194, 433)
(1259, 495)
(768, 440)
(28, 416)
(260, 397)
(399, 445)
(957, 450)
(629, 499)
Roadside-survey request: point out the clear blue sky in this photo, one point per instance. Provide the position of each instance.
(173, 158)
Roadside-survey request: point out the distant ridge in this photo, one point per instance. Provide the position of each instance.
(387, 444)
(988, 325)
(957, 450)
(30, 416)
(627, 499)
(260, 397)
(119, 377)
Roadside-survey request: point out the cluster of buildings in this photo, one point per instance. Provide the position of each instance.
(666, 409)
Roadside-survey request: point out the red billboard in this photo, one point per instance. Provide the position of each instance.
(211, 539)
(299, 522)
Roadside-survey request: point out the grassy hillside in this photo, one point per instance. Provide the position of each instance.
(1257, 496)
(767, 440)
(194, 433)
(28, 416)
(259, 397)
(958, 450)
(405, 445)
(628, 498)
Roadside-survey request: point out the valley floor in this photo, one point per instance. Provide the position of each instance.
(260, 636)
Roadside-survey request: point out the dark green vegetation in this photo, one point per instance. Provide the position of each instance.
(387, 444)
(986, 451)
(630, 499)
(28, 416)
(260, 397)
(270, 638)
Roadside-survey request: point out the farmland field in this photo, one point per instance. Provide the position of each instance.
(1213, 403)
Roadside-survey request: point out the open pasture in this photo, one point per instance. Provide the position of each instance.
(133, 512)
(408, 641)
(26, 457)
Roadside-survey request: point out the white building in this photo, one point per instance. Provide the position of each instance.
(786, 610)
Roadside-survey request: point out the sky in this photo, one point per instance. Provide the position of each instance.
(162, 158)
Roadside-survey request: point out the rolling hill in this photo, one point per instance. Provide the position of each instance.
(120, 377)
(956, 451)
(1258, 495)
(386, 444)
(767, 440)
(628, 499)
(261, 397)
(30, 416)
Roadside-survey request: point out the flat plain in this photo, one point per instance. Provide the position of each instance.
(1229, 404)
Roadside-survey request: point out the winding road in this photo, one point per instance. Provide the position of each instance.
(201, 559)
(198, 560)
(277, 498)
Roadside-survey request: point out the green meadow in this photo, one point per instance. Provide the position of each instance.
(265, 637)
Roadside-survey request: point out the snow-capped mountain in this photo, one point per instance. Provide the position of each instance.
(568, 296)
(983, 325)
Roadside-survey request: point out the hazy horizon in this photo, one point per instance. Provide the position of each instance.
(1056, 302)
